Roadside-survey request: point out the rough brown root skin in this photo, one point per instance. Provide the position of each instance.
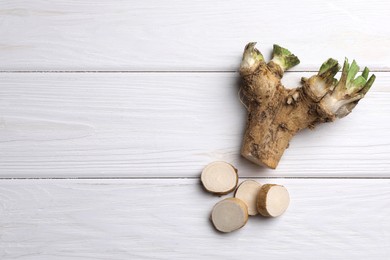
(270, 130)
(276, 114)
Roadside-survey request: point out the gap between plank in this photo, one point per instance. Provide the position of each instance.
(188, 178)
(151, 71)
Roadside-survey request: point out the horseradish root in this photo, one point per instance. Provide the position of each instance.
(219, 178)
(229, 215)
(247, 192)
(276, 114)
(272, 200)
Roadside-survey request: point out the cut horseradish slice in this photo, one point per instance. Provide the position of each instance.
(247, 192)
(229, 215)
(219, 178)
(272, 200)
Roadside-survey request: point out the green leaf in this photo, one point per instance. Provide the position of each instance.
(353, 70)
(365, 73)
(280, 51)
(327, 65)
(341, 85)
(328, 70)
(284, 57)
(251, 56)
(357, 84)
(368, 85)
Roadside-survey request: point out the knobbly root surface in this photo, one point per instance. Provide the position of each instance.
(276, 114)
(229, 215)
(247, 192)
(272, 200)
(219, 178)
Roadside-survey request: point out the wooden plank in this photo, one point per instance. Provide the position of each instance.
(190, 35)
(166, 219)
(168, 124)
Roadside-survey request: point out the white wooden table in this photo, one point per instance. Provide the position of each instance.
(110, 109)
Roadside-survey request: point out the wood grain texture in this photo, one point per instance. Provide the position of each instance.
(169, 219)
(155, 128)
(168, 125)
(187, 35)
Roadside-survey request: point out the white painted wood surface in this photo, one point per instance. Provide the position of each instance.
(142, 138)
(187, 35)
(168, 124)
(169, 219)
